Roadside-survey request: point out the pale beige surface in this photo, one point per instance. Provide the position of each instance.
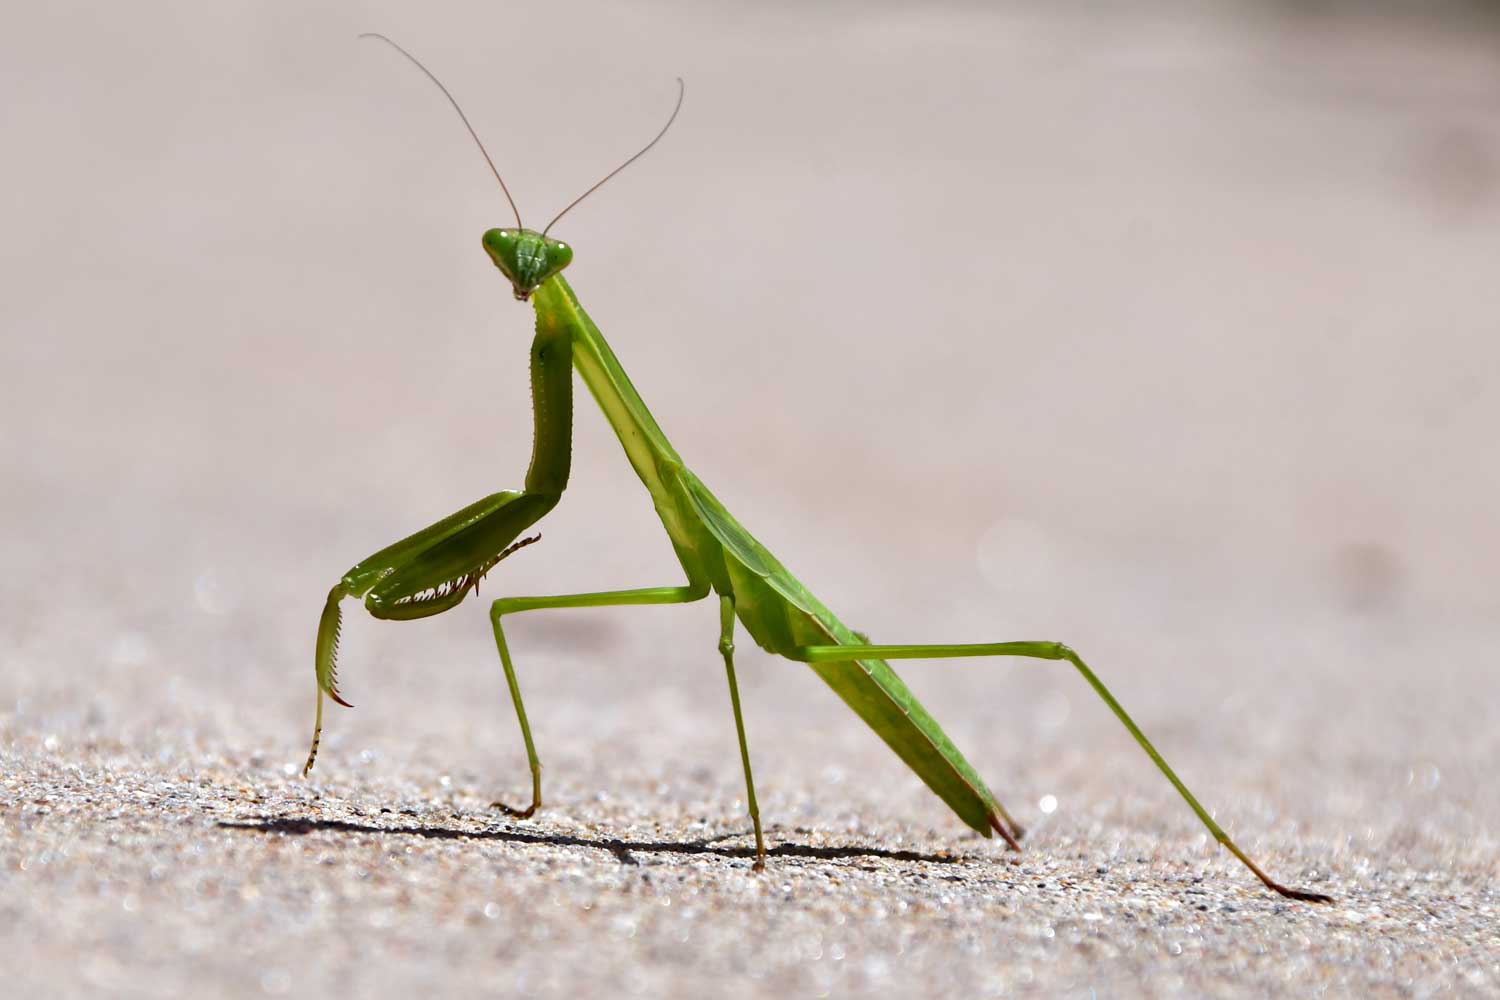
(1168, 334)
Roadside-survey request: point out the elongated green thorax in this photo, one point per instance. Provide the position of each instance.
(647, 448)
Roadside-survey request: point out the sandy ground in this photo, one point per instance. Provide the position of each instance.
(1169, 333)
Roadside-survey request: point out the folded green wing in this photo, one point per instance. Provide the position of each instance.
(781, 614)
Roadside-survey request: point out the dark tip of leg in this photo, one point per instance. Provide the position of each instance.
(1269, 883)
(1304, 896)
(512, 811)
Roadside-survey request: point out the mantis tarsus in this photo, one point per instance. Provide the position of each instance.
(436, 568)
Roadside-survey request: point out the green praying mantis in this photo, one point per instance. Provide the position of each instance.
(433, 570)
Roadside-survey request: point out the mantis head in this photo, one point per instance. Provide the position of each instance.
(527, 258)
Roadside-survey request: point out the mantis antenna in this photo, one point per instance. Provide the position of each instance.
(681, 91)
(418, 63)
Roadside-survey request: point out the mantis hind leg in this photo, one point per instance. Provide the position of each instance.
(602, 599)
(1054, 651)
(726, 647)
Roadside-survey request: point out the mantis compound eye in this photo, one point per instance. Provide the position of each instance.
(559, 255)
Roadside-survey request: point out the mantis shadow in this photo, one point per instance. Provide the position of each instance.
(621, 849)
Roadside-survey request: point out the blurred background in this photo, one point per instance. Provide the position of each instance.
(1164, 329)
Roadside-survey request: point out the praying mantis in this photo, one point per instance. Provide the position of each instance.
(433, 570)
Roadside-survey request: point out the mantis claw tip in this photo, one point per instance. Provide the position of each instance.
(1302, 895)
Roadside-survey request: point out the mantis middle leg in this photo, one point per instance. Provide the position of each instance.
(600, 599)
(726, 647)
(1052, 651)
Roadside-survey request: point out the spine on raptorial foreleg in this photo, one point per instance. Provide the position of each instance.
(325, 666)
(327, 650)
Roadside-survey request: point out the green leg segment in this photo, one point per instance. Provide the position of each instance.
(726, 647)
(424, 574)
(1051, 651)
(603, 599)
